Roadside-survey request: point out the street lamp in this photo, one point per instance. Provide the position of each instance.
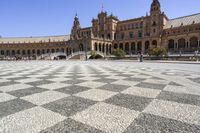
(85, 48)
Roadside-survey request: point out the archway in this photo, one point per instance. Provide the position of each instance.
(43, 51)
(171, 44)
(23, 52)
(95, 46)
(62, 50)
(100, 47)
(81, 47)
(103, 48)
(147, 45)
(133, 48)
(52, 50)
(7, 52)
(33, 52)
(127, 48)
(115, 46)
(57, 50)
(121, 46)
(194, 42)
(2, 52)
(181, 43)
(110, 48)
(139, 47)
(13, 52)
(107, 49)
(29, 52)
(154, 44)
(38, 52)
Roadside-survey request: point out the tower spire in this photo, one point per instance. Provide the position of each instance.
(155, 7)
(102, 8)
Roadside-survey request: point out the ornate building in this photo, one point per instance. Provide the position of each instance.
(108, 32)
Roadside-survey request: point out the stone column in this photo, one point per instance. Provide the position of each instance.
(188, 42)
(176, 44)
(97, 47)
(124, 46)
(105, 50)
(129, 48)
(136, 48)
(111, 49)
(142, 47)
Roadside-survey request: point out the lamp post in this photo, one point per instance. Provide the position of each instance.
(85, 41)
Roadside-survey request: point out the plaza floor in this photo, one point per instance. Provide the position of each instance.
(99, 97)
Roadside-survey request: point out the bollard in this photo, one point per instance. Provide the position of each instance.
(141, 57)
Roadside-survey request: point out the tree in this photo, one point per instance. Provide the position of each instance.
(158, 52)
(93, 55)
(119, 53)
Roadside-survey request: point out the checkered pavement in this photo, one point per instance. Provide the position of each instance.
(60, 97)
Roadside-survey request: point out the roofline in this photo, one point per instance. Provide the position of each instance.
(134, 19)
(185, 16)
(86, 28)
(33, 37)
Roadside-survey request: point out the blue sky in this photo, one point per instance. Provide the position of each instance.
(19, 18)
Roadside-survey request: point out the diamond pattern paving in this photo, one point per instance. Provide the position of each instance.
(99, 97)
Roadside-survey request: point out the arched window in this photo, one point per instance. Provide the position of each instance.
(154, 43)
(108, 36)
(154, 23)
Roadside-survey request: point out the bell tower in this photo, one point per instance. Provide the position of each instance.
(156, 19)
(155, 7)
(75, 32)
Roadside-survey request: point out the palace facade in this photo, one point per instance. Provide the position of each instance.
(107, 33)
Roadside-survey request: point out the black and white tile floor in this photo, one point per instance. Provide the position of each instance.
(104, 96)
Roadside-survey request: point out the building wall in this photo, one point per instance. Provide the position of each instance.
(107, 33)
(33, 49)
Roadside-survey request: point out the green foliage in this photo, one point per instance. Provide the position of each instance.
(158, 52)
(93, 55)
(119, 53)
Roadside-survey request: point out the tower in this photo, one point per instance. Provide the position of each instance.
(155, 7)
(75, 33)
(156, 18)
